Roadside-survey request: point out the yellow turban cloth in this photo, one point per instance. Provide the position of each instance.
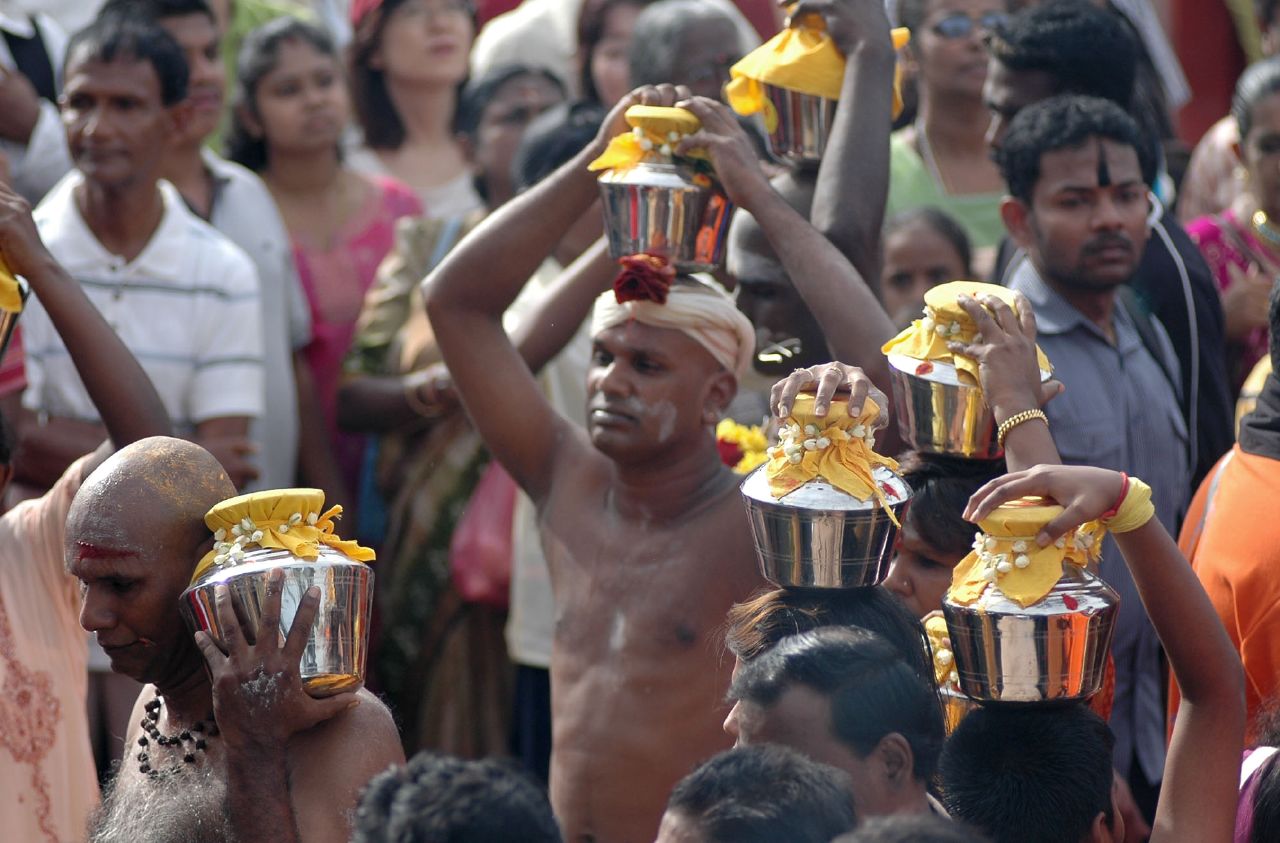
(1005, 553)
(11, 297)
(836, 447)
(946, 322)
(284, 519)
(655, 131)
(698, 308)
(800, 58)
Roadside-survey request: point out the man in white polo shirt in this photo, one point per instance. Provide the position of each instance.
(181, 296)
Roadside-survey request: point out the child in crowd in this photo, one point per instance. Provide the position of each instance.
(291, 110)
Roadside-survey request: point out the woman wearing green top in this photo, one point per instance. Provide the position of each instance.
(942, 158)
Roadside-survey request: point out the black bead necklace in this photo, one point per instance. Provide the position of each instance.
(191, 740)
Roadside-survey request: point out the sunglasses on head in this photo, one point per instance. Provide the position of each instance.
(960, 25)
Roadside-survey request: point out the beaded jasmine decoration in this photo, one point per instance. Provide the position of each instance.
(191, 740)
(793, 442)
(997, 561)
(943, 328)
(247, 533)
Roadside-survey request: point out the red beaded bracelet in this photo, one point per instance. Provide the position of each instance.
(1115, 508)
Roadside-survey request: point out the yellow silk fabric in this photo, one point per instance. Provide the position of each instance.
(799, 58)
(656, 125)
(10, 291)
(1020, 521)
(271, 512)
(922, 341)
(846, 464)
(935, 629)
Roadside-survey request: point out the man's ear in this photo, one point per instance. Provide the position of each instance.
(1101, 832)
(898, 761)
(1017, 221)
(721, 389)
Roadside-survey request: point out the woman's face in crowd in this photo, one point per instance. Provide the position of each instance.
(610, 70)
(1260, 153)
(302, 102)
(502, 125)
(427, 41)
(952, 59)
(921, 573)
(916, 258)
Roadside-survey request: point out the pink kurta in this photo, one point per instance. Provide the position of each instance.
(48, 784)
(335, 280)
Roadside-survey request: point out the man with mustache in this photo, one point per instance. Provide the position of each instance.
(646, 538)
(1077, 171)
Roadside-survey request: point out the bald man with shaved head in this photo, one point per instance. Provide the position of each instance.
(269, 762)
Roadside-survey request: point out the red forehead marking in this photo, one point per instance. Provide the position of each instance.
(87, 550)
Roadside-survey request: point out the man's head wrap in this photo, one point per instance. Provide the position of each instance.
(700, 309)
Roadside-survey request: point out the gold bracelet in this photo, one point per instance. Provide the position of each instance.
(1017, 419)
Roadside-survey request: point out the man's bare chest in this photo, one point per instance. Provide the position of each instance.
(180, 804)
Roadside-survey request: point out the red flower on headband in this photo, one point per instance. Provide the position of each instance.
(644, 278)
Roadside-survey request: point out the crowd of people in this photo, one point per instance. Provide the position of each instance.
(358, 246)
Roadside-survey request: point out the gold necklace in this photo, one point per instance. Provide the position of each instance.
(1262, 225)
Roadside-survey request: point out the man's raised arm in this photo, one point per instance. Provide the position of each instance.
(117, 385)
(468, 293)
(852, 319)
(853, 179)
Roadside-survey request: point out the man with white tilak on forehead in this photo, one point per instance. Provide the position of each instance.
(645, 533)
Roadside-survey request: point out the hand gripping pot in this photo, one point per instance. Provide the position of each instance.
(1030, 624)
(825, 509)
(659, 203)
(936, 397)
(289, 529)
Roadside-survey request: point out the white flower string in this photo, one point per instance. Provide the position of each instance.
(996, 564)
(246, 533)
(793, 442)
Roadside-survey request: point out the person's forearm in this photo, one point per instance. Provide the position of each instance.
(46, 450)
(853, 179)
(1201, 656)
(1027, 444)
(486, 271)
(259, 806)
(852, 319)
(121, 391)
(376, 404)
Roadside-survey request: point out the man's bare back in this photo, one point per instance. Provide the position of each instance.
(638, 673)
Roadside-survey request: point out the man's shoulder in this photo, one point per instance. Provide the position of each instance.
(211, 258)
(364, 735)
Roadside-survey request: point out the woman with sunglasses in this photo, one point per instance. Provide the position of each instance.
(942, 158)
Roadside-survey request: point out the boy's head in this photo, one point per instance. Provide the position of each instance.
(1042, 774)
(439, 798)
(758, 794)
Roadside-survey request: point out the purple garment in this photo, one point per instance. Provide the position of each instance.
(1248, 794)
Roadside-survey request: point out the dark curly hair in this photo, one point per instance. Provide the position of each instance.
(1065, 122)
(441, 799)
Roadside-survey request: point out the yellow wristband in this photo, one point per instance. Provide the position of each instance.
(1135, 510)
(1017, 419)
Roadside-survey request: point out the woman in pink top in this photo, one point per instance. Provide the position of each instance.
(1242, 244)
(292, 107)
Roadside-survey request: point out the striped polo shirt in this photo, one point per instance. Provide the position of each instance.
(188, 307)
